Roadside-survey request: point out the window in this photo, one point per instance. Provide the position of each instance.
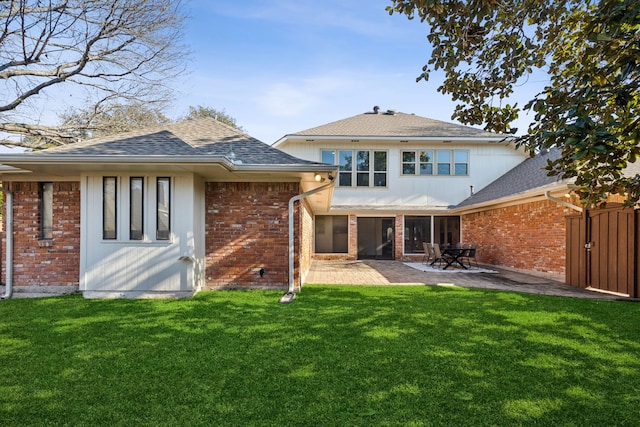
(109, 193)
(461, 165)
(359, 168)
(417, 229)
(444, 162)
(163, 205)
(440, 162)
(346, 168)
(136, 208)
(332, 234)
(45, 205)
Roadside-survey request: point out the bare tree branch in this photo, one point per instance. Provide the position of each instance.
(114, 49)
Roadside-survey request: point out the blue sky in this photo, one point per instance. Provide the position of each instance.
(281, 66)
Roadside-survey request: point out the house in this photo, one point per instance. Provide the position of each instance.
(400, 177)
(165, 211)
(198, 205)
(404, 179)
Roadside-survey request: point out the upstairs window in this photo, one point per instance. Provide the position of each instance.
(359, 168)
(435, 162)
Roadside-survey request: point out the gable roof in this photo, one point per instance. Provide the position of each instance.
(191, 138)
(392, 124)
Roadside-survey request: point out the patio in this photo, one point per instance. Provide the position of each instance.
(398, 273)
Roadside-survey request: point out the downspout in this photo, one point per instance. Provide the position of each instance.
(8, 292)
(291, 292)
(548, 195)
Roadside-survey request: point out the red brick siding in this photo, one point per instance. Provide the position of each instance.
(247, 228)
(50, 263)
(528, 237)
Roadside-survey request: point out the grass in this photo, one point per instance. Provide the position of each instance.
(336, 356)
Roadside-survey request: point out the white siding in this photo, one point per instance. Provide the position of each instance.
(141, 266)
(487, 162)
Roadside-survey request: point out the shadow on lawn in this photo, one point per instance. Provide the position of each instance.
(336, 356)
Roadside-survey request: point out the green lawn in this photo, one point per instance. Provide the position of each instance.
(336, 356)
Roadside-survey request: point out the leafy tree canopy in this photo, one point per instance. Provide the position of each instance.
(220, 115)
(590, 50)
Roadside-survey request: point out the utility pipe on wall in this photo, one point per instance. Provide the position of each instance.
(291, 229)
(8, 292)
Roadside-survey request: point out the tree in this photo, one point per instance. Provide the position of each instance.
(118, 118)
(589, 49)
(220, 115)
(112, 51)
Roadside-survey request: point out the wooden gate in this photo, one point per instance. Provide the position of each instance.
(602, 250)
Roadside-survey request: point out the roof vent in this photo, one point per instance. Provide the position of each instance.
(391, 112)
(376, 109)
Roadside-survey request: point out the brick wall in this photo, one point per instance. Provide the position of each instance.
(528, 237)
(53, 262)
(246, 228)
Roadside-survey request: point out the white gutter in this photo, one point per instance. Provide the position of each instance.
(291, 292)
(564, 203)
(8, 292)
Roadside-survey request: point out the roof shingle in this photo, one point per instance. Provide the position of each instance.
(201, 137)
(394, 124)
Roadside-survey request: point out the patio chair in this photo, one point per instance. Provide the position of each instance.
(428, 252)
(470, 254)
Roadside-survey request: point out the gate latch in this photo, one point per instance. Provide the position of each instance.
(588, 245)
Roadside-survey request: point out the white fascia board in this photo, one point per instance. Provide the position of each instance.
(489, 140)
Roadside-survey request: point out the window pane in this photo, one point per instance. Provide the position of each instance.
(416, 230)
(426, 168)
(329, 156)
(363, 179)
(46, 210)
(408, 169)
(363, 161)
(444, 169)
(461, 156)
(426, 156)
(331, 234)
(346, 161)
(380, 161)
(408, 156)
(461, 169)
(446, 230)
(163, 209)
(136, 214)
(444, 156)
(344, 179)
(109, 193)
(379, 179)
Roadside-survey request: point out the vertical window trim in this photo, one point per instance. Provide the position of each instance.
(45, 210)
(160, 233)
(133, 233)
(105, 232)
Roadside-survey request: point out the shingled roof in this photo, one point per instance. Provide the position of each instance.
(394, 124)
(524, 177)
(201, 137)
